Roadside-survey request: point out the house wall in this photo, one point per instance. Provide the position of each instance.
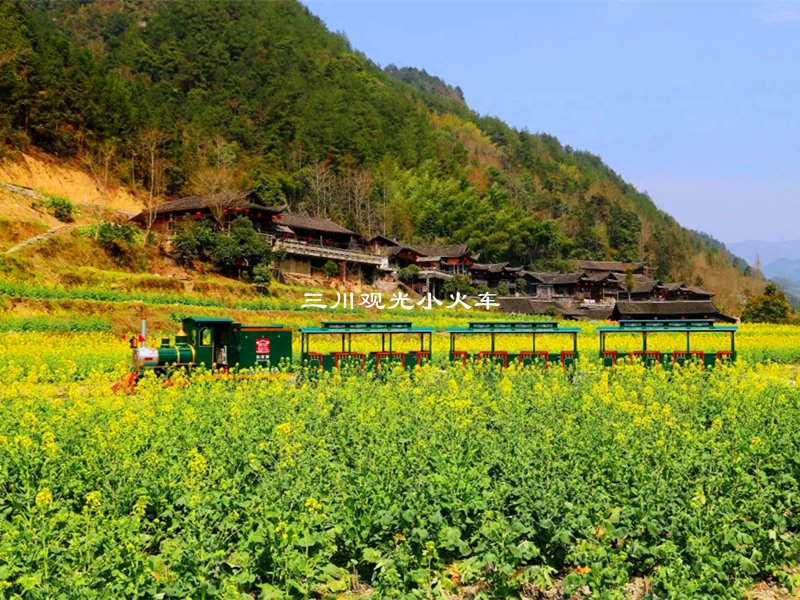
(295, 265)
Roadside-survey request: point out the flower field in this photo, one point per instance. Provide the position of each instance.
(442, 482)
(66, 357)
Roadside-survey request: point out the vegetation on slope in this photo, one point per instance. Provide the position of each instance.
(195, 97)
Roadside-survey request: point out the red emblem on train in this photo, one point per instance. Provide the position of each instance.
(262, 346)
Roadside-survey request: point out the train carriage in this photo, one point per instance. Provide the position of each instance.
(400, 342)
(680, 330)
(566, 356)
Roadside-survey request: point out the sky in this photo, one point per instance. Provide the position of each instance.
(696, 103)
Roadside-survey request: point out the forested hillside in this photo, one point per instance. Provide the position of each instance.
(194, 97)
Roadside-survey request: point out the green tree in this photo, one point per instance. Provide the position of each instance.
(262, 278)
(330, 269)
(407, 274)
(769, 307)
(630, 283)
(458, 283)
(624, 228)
(194, 241)
(241, 245)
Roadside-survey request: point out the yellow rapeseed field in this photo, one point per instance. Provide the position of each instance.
(428, 483)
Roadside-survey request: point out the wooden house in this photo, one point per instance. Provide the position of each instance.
(545, 286)
(220, 209)
(455, 259)
(306, 243)
(681, 291)
(310, 242)
(599, 266)
(379, 243)
(668, 310)
(493, 274)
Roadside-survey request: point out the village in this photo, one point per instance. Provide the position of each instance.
(590, 290)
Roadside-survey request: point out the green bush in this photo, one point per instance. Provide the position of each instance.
(461, 284)
(61, 208)
(241, 244)
(262, 277)
(110, 234)
(194, 241)
(770, 307)
(54, 325)
(407, 274)
(330, 268)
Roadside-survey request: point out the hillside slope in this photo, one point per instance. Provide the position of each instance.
(196, 97)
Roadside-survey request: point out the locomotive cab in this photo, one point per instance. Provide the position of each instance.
(225, 343)
(211, 338)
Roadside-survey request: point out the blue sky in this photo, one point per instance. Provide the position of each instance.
(696, 103)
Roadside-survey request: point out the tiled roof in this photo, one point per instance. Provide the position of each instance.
(386, 240)
(490, 267)
(599, 276)
(445, 251)
(606, 265)
(698, 291)
(243, 199)
(644, 286)
(558, 278)
(313, 224)
(676, 309)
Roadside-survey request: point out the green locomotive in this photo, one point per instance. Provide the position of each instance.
(220, 343)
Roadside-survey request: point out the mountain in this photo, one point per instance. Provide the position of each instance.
(785, 272)
(766, 252)
(778, 262)
(174, 98)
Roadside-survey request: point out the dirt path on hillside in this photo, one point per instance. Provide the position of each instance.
(41, 237)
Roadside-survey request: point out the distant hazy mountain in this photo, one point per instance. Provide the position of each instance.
(786, 272)
(767, 252)
(780, 262)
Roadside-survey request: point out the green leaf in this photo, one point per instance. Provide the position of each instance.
(371, 555)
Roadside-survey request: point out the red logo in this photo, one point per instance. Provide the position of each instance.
(262, 346)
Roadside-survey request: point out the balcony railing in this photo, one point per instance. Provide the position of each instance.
(335, 252)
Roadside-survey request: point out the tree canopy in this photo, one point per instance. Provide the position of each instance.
(769, 307)
(261, 94)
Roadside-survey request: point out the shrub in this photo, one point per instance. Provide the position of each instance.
(330, 268)
(112, 233)
(61, 208)
(407, 274)
(193, 241)
(461, 284)
(241, 245)
(770, 307)
(262, 277)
